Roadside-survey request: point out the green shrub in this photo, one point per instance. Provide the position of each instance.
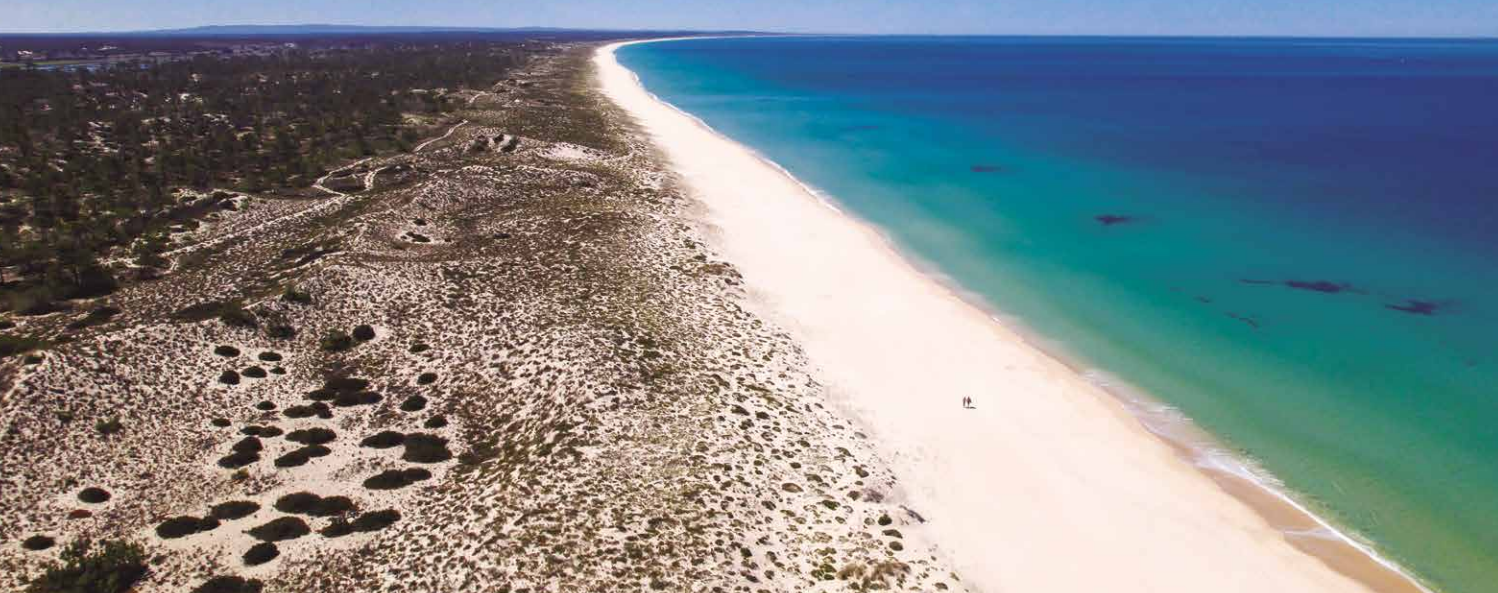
(336, 341)
(292, 295)
(109, 427)
(364, 333)
(280, 331)
(113, 567)
(13, 345)
(426, 379)
(226, 351)
(437, 421)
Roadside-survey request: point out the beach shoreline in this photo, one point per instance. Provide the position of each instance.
(1165, 522)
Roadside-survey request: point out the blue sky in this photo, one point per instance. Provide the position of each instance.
(1171, 17)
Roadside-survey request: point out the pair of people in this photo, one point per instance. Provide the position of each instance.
(967, 402)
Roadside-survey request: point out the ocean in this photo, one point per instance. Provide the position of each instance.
(1292, 242)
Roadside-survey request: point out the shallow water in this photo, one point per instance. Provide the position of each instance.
(1293, 241)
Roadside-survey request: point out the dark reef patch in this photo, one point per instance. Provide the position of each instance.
(1113, 219)
(1416, 307)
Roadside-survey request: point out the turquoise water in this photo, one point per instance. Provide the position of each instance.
(1294, 242)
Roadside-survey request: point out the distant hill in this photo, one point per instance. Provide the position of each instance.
(322, 29)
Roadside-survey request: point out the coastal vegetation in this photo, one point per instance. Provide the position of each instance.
(103, 165)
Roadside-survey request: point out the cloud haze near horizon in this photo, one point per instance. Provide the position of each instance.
(1474, 18)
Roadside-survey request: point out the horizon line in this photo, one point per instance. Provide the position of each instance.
(206, 30)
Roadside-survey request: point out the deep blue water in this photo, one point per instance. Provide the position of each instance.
(1293, 241)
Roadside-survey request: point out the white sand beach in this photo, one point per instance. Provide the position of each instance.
(1049, 484)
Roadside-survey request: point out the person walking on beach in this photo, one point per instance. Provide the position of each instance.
(967, 402)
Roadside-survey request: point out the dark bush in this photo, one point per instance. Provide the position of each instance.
(396, 478)
(265, 405)
(336, 341)
(426, 379)
(236, 316)
(115, 567)
(230, 585)
(437, 421)
(261, 553)
(307, 503)
(426, 448)
(269, 356)
(93, 495)
(248, 445)
(37, 543)
(237, 460)
(280, 331)
(345, 384)
(226, 351)
(184, 526)
(221, 422)
(384, 439)
(277, 370)
(301, 456)
(280, 529)
(360, 398)
(299, 412)
(375, 521)
(319, 409)
(312, 436)
(364, 333)
(254, 372)
(234, 509)
(338, 528)
(419, 348)
(321, 395)
(229, 378)
(264, 432)
(414, 403)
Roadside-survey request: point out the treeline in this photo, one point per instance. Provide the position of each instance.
(92, 160)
